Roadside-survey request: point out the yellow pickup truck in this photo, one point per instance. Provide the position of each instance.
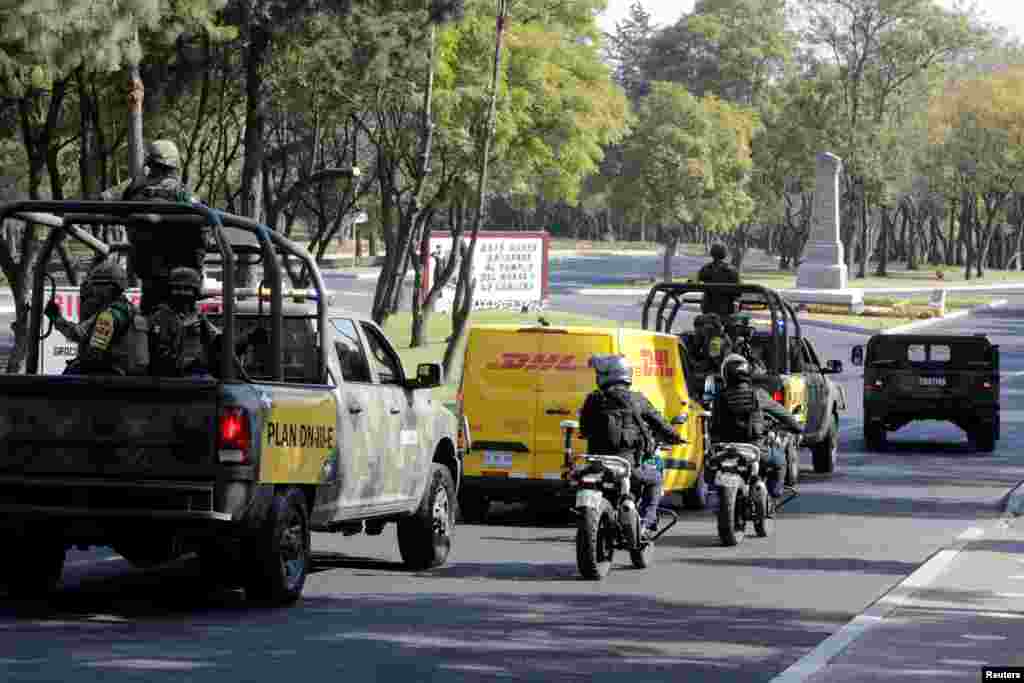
(320, 429)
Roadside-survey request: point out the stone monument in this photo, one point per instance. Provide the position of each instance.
(823, 266)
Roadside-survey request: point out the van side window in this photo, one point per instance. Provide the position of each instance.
(351, 356)
(389, 368)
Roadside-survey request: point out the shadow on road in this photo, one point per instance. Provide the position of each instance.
(166, 626)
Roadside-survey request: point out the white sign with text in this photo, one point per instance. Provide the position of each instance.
(510, 270)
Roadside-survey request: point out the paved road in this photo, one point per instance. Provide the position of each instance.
(509, 605)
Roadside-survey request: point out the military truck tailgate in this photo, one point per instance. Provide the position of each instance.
(934, 369)
(107, 427)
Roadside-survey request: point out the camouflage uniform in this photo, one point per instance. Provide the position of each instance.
(156, 253)
(114, 339)
(184, 341)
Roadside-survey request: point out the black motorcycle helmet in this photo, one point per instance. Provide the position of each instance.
(735, 369)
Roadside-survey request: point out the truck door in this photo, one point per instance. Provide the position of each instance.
(396, 421)
(359, 463)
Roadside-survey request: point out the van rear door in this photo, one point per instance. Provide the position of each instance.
(658, 376)
(565, 380)
(500, 401)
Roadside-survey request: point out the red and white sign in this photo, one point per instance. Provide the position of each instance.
(510, 267)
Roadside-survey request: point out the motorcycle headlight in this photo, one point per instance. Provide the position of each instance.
(591, 479)
(728, 462)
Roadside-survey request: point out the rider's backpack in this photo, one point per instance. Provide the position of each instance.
(620, 423)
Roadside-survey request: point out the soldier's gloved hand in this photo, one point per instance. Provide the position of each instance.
(52, 310)
(258, 337)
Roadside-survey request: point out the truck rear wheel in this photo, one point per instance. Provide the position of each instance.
(36, 572)
(425, 538)
(985, 437)
(824, 453)
(279, 556)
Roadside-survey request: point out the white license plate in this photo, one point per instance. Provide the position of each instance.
(586, 498)
(728, 479)
(932, 381)
(499, 459)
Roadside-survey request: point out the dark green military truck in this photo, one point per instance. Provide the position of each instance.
(907, 377)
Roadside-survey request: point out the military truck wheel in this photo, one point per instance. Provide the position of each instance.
(279, 555)
(824, 453)
(985, 437)
(38, 570)
(147, 552)
(875, 437)
(473, 508)
(792, 464)
(425, 538)
(696, 497)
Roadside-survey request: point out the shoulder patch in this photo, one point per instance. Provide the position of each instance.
(102, 331)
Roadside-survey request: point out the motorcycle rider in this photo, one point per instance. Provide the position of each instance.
(112, 337)
(718, 272)
(618, 421)
(183, 339)
(738, 417)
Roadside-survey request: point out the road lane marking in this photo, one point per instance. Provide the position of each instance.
(833, 646)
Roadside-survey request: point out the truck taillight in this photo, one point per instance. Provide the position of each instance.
(778, 397)
(234, 437)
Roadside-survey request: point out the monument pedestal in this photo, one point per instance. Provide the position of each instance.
(823, 266)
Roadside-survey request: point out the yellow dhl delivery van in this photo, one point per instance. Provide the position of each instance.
(519, 383)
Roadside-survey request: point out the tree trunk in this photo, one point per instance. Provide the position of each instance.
(136, 94)
(885, 231)
(671, 242)
(257, 55)
(461, 321)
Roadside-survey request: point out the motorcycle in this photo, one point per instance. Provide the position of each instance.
(607, 512)
(735, 469)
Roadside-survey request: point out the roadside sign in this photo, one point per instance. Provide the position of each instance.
(510, 267)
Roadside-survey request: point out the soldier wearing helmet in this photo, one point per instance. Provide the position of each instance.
(112, 337)
(618, 421)
(718, 272)
(156, 252)
(738, 417)
(183, 339)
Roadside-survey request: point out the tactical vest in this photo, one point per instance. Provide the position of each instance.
(741, 416)
(130, 351)
(621, 427)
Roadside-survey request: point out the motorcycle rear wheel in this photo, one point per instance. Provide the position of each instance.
(731, 519)
(595, 542)
(643, 557)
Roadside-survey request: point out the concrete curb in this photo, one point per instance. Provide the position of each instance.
(1013, 503)
(875, 614)
(909, 327)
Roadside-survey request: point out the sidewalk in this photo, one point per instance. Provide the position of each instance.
(961, 610)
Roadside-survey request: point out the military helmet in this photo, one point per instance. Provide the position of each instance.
(107, 273)
(735, 369)
(611, 369)
(183, 276)
(718, 252)
(163, 153)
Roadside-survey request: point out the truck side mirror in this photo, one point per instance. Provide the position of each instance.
(428, 375)
(857, 355)
(833, 367)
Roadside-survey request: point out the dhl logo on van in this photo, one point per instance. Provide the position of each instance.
(534, 361)
(652, 363)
